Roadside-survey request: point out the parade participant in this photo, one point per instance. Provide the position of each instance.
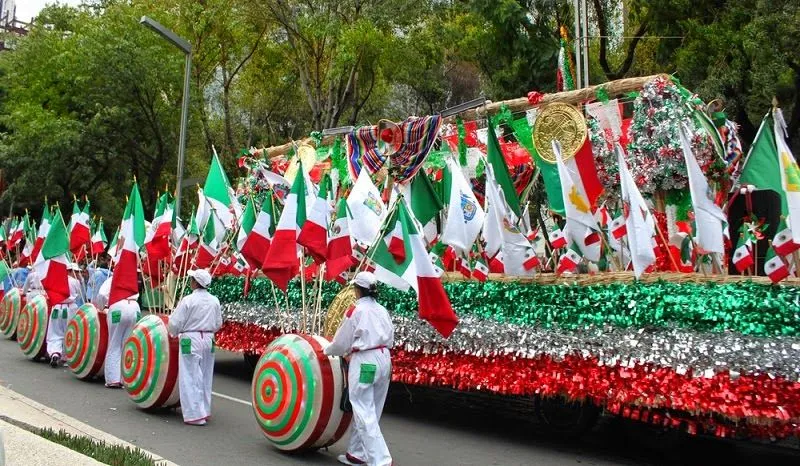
(33, 285)
(195, 320)
(100, 299)
(121, 318)
(60, 315)
(366, 335)
(77, 287)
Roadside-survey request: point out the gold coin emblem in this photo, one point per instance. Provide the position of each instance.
(563, 123)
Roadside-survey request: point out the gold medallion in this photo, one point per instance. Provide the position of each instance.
(306, 154)
(563, 123)
(339, 306)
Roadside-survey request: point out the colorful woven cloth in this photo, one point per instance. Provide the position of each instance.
(419, 135)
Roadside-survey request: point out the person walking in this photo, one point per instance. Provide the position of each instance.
(366, 335)
(121, 318)
(195, 320)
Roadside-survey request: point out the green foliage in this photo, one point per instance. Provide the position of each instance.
(113, 455)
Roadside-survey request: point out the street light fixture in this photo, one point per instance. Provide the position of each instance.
(186, 48)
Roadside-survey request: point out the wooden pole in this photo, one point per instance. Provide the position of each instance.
(520, 104)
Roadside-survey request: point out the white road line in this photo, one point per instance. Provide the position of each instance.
(230, 398)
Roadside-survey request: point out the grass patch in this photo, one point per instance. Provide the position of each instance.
(113, 455)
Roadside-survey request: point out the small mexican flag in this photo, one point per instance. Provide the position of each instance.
(480, 271)
(51, 264)
(783, 244)
(774, 267)
(124, 281)
(557, 238)
(415, 271)
(618, 227)
(340, 249)
(314, 233)
(99, 240)
(158, 237)
(79, 232)
(569, 261)
(209, 246)
(41, 234)
(255, 233)
(742, 257)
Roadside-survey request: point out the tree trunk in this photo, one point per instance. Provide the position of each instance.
(226, 111)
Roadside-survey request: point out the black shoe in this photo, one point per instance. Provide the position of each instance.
(54, 359)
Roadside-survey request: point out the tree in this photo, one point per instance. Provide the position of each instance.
(93, 99)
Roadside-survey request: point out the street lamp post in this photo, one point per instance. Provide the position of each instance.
(186, 48)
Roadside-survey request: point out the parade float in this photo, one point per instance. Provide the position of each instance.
(702, 342)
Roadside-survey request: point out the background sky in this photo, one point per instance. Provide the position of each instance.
(27, 9)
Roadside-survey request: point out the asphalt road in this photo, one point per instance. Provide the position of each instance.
(422, 428)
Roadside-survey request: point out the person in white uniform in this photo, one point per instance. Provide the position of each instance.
(33, 285)
(366, 335)
(121, 318)
(195, 320)
(60, 315)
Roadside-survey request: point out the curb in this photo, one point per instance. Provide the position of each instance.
(60, 420)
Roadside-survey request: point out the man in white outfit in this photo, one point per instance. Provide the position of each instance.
(60, 315)
(195, 320)
(121, 318)
(367, 335)
(33, 285)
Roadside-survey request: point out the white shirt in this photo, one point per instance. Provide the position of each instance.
(198, 312)
(367, 325)
(32, 283)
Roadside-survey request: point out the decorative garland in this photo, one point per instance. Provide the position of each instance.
(744, 307)
(756, 404)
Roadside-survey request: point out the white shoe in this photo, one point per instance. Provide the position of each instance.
(350, 460)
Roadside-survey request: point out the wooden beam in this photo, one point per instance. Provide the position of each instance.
(521, 104)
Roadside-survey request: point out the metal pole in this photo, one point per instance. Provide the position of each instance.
(182, 141)
(585, 13)
(577, 47)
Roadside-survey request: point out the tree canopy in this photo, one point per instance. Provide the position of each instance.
(90, 99)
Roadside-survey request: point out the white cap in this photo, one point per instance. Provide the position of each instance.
(201, 276)
(365, 279)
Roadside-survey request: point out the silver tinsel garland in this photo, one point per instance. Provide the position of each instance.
(683, 350)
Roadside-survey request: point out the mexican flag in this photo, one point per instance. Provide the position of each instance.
(99, 239)
(557, 239)
(480, 271)
(568, 261)
(774, 267)
(255, 233)
(51, 263)
(80, 234)
(219, 195)
(340, 249)
(16, 233)
(124, 282)
(742, 256)
(157, 240)
(209, 246)
(26, 256)
(314, 233)
(782, 243)
(415, 271)
(281, 262)
(494, 157)
(41, 234)
(187, 241)
(464, 213)
(770, 165)
(113, 247)
(618, 228)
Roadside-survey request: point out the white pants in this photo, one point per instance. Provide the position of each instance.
(58, 327)
(366, 440)
(117, 333)
(195, 374)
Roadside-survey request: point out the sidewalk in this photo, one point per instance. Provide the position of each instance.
(24, 448)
